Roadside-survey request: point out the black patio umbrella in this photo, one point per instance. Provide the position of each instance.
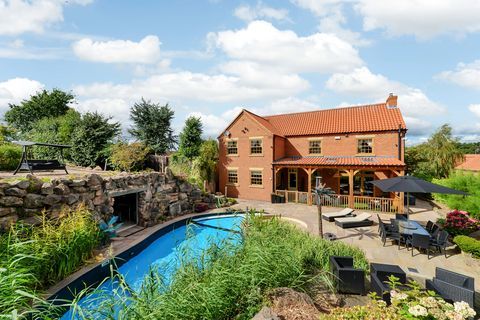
(411, 184)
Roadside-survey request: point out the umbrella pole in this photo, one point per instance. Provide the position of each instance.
(408, 205)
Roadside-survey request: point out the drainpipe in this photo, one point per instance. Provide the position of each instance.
(273, 166)
(400, 142)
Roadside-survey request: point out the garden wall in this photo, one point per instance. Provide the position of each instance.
(160, 196)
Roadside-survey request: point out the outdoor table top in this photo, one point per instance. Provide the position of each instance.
(409, 227)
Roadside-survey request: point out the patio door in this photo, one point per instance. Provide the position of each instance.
(293, 179)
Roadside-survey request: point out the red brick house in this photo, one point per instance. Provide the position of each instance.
(283, 154)
(471, 162)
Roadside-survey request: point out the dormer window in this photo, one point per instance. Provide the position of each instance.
(315, 146)
(365, 146)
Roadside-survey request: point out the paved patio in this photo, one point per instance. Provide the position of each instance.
(418, 267)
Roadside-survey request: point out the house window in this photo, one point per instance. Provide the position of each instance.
(256, 178)
(365, 146)
(232, 176)
(315, 147)
(256, 146)
(232, 147)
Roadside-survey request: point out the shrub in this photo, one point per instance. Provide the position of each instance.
(129, 157)
(34, 257)
(459, 223)
(10, 155)
(230, 282)
(468, 244)
(467, 182)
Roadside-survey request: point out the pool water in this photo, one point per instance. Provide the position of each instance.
(166, 254)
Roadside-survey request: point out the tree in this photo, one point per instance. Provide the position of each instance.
(57, 130)
(205, 164)
(44, 104)
(153, 125)
(443, 152)
(191, 138)
(92, 136)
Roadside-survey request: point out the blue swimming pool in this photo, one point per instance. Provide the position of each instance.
(166, 253)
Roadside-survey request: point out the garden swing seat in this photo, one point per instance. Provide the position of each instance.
(32, 165)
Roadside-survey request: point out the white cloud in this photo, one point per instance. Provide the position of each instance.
(416, 126)
(119, 51)
(465, 75)
(119, 108)
(20, 16)
(264, 44)
(332, 19)
(413, 102)
(214, 124)
(475, 109)
(424, 19)
(188, 86)
(260, 11)
(17, 89)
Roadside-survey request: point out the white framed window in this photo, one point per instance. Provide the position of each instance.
(315, 146)
(365, 146)
(256, 146)
(256, 177)
(232, 176)
(232, 147)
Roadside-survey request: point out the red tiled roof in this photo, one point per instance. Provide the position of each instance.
(340, 161)
(264, 123)
(471, 163)
(367, 118)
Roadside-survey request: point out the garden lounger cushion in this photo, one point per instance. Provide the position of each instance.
(358, 218)
(330, 216)
(361, 220)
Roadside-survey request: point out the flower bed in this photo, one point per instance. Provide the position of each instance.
(460, 223)
(412, 303)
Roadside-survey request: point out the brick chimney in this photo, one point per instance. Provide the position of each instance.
(392, 101)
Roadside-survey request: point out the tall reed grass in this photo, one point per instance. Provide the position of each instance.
(34, 257)
(230, 282)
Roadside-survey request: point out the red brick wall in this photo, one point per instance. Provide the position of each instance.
(245, 127)
(242, 129)
(384, 144)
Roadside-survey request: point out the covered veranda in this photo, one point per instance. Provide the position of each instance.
(348, 177)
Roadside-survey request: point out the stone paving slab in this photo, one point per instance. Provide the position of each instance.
(418, 267)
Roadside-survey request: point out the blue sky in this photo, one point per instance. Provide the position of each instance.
(212, 58)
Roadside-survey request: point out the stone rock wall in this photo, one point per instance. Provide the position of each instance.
(159, 196)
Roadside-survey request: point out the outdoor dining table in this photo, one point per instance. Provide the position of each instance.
(409, 227)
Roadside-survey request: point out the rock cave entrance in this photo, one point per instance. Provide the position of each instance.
(125, 206)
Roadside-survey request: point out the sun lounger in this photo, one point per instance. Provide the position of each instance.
(360, 220)
(330, 216)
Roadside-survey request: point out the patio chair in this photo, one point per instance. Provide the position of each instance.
(400, 216)
(379, 274)
(347, 279)
(452, 286)
(419, 241)
(391, 234)
(330, 216)
(361, 220)
(429, 226)
(435, 229)
(440, 242)
(384, 226)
